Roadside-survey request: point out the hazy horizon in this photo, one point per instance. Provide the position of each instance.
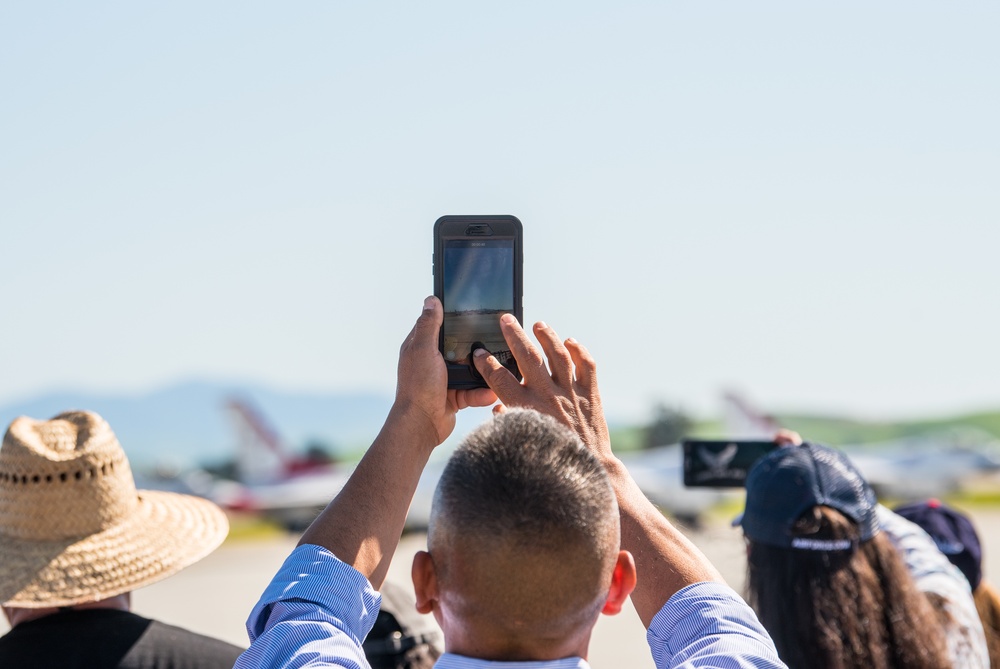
(714, 411)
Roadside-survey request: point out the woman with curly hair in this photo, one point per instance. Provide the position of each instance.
(842, 583)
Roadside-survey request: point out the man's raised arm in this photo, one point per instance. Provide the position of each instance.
(322, 602)
(362, 525)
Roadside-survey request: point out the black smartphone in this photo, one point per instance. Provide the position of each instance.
(721, 464)
(477, 276)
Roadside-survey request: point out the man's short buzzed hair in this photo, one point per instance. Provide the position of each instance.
(528, 516)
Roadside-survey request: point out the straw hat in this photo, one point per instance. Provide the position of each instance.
(74, 529)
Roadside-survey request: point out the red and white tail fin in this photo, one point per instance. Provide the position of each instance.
(261, 456)
(744, 422)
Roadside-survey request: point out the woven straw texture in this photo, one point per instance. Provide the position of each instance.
(74, 529)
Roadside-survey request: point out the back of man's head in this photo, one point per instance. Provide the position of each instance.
(524, 531)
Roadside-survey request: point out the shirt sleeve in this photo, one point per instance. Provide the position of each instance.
(315, 612)
(933, 572)
(709, 625)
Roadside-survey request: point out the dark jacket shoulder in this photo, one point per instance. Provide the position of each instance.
(107, 639)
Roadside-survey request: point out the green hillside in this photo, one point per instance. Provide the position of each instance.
(839, 431)
(833, 430)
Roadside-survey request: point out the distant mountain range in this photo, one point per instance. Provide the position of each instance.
(186, 424)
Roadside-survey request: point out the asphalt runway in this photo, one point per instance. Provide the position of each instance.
(214, 596)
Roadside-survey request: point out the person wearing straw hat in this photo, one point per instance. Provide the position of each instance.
(76, 538)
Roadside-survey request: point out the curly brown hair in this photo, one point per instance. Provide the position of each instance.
(988, 605)
(853, 609)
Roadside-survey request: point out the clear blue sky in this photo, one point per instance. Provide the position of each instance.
(799, 200)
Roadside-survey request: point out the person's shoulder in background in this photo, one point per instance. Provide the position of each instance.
(402, 637)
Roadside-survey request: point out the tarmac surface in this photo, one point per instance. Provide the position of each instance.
(214, 596)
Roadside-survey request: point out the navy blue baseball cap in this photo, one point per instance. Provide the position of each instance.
(953, 533)
(789, 481)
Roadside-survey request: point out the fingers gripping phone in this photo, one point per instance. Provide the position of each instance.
(721, 464)
(477, 276)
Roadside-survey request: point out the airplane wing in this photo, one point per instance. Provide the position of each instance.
(929, 465)
(659, 473)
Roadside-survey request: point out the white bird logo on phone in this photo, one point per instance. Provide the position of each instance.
(717, 463)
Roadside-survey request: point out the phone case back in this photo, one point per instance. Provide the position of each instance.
(477, 276)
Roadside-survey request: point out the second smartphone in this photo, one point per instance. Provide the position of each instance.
(721, 464)
(477, 276)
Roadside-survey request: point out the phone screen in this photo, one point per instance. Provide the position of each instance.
(478, 288)
(721, 464)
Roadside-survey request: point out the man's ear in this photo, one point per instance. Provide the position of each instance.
(622, 584)
(425, 585)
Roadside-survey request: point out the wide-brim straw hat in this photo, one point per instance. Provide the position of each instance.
(73, 527)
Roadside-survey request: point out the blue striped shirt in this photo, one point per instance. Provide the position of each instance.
(317, 610)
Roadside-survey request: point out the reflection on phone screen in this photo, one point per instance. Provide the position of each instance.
(478, 289)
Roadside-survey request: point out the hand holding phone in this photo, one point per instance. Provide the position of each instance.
(477, 276)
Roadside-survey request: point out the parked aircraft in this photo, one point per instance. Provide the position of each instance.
(270, 479)
(929, 465)
(911, 468)
(291, 490)
(659, 473)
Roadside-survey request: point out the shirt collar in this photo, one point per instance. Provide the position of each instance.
(452, 661)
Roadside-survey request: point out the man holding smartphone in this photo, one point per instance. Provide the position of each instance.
(322, 602)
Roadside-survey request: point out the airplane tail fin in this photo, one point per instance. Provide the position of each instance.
(261, 456)
(743, 421)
